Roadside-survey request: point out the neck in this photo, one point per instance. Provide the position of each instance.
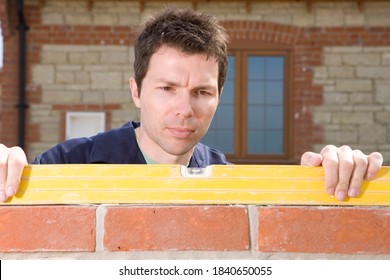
(157, 154)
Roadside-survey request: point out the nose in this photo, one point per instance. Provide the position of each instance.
(184, 105)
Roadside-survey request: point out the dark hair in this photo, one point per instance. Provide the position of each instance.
(189, 31)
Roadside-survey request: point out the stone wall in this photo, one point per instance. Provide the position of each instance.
(356, 106)
(81, 78)
(321, 14)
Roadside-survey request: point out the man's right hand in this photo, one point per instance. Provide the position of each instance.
(12, 162)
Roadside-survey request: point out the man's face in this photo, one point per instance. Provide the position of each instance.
(178, 100)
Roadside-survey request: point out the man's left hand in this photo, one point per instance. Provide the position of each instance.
(344, 168)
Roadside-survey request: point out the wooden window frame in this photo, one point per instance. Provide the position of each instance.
(241, 50)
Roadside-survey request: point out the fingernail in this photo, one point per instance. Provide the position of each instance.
(330, 191)
(353, 192)
(369, 176)
(341, 195)
(10, 192)
(3, 197)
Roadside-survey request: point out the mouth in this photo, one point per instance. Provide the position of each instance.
(181, 132)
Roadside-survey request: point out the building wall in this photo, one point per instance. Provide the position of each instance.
(8, 76)
(356, 88)
(80, 59)
(194, 232)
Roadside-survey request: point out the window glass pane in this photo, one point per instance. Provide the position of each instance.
(265, 105)
(274, 94)
(274, 142)
(221, 132)
(274, 67)
(225, 141)
(256, 142)
(230, 72)
(220, 139)
(274, 117)
(256, 92)
(225, 117)
(256, 117)
(256, 67)
(227, 95)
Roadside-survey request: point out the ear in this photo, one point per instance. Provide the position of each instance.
(134, 92)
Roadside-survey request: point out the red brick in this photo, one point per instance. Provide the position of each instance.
(324, 230)
(176, 228)
(47, 228)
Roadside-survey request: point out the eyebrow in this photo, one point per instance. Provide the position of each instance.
(173, 83)
(164, 81)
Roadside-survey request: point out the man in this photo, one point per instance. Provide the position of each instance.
(180, 68)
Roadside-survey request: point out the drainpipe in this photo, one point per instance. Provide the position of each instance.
(22, 106)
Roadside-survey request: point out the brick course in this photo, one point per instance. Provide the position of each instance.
(103, 231)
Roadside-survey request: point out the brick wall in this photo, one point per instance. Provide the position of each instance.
(201, 231)
(8, 76)
(70, 46)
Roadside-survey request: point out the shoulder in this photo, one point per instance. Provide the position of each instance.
(204, 156)
(114, 135)
(112, 146)
(117, 145)
(70, 151)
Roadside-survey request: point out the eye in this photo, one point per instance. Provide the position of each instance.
(203, 92)
(166, 88)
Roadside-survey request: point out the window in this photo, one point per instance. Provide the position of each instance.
(84, 124)
(252, 122)
(221, 132)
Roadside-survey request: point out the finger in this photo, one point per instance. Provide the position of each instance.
(346, 166)
(375, 161)
(360, 166)
(16, 163)
(330, 162)
(311, 159)
(3, 171)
